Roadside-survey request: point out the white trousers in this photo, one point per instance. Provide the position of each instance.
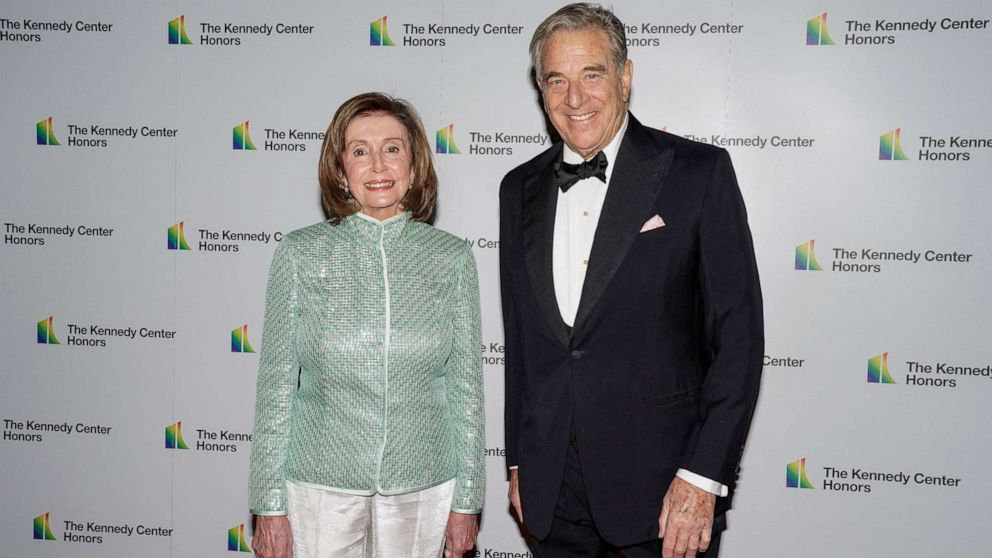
(329, 524)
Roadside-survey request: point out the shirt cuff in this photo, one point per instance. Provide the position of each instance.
(702, 482)
(512, 467)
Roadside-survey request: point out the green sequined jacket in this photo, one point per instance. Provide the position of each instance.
(370, 375)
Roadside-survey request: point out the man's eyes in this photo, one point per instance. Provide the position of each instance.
(561, 83)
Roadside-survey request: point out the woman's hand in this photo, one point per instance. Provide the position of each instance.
(273, 537)
(460, 534)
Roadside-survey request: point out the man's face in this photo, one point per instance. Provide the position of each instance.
(583, 96)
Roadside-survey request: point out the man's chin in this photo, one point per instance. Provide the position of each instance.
(583, 147)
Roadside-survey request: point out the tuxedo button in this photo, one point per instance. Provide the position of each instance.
(576, 355)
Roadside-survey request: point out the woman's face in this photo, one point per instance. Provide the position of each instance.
(378, 164)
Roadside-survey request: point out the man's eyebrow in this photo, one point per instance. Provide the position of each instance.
(596, 68)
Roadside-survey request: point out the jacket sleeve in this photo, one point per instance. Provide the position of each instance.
(465, 390)
(733, 331)
(513, 369)
(277, 380)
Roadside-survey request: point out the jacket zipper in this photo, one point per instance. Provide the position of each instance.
(385, 358)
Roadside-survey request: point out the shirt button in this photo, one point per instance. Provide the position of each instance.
(576, 355)
(585, 213)
(585, 262)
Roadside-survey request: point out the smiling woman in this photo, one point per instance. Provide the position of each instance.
(369, 411)
(377, 164)
(376, 160)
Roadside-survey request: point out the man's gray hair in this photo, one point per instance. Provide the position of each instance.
(577, 17)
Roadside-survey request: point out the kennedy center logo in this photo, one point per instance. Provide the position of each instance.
(239, 340)
(242, 137)
(236, 539)
(177, 32)
(878, 370)
(46, 332)
(45, 134)
(890, 147)
(795, 475)
(177, 237)
(445, 141)
(174, 436)
(42, 528)
(816, 31)
(806, 258)
(379, 33)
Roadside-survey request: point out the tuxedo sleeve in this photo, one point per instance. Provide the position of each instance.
(513, 367)
(732, 340)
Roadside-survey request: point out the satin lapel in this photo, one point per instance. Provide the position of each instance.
(540, 200)
(641, 167)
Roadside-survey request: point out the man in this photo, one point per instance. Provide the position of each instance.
(632, 315)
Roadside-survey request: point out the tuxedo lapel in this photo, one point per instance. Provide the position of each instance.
(636, 181)
(540, 202)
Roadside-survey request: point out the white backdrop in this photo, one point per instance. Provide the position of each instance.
(140, 140)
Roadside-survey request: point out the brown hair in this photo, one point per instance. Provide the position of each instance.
(420, 200)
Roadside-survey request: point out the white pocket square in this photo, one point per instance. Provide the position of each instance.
(655, 222)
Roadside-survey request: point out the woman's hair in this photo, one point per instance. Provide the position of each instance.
(420, 199)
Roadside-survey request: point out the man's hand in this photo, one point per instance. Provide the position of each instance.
(273, 537)
(460, 534)
(514, 494)
(686, 520)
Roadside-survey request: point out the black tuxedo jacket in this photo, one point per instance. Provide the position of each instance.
(661, 369)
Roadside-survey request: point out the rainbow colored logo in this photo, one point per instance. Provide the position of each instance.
(42, 528)
(177, 32)
(242, 137)
(445, 142)
(379, 33)
(878, 370)
(795, 475)
(890, 147)
(236, 539)
(816, 31)
(44, 132)
(239, 340)
(177, 237)
(174, 436)
(806, 258)
(46, 332)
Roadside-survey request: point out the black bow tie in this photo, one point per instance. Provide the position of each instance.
(567, 174)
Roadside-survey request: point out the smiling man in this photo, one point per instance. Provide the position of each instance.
(632, 316)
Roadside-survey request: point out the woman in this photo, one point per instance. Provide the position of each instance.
(369, 413)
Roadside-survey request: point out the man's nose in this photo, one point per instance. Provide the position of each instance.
(575, 96)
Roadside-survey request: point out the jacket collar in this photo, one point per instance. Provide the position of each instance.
(372, 230)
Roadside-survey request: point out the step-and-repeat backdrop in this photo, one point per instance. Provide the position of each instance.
(154, 154)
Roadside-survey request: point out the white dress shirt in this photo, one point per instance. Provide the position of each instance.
(576, 217)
